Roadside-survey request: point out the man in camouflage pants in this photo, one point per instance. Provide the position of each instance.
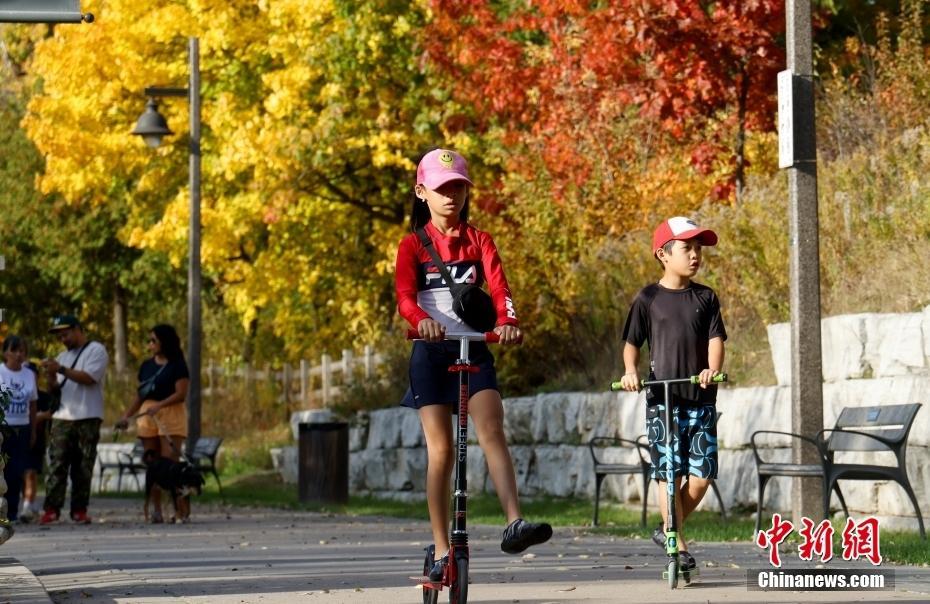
(78, 374)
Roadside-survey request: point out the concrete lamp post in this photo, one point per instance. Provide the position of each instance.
(152, 127)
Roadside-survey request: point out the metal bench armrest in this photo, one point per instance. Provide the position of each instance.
(816, 442)
(615, 440)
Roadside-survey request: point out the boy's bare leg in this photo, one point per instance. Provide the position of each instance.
(437, 429)
(692, 492)
(487, 411)
(679, 516)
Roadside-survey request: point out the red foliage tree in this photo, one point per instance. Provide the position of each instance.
(542, 67)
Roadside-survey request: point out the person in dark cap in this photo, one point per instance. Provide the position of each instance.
(76, 376)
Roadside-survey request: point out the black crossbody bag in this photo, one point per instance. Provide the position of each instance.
(469, 302)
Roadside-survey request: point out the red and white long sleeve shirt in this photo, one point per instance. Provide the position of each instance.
(470, 256)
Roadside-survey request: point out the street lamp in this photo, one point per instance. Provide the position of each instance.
(152, 126)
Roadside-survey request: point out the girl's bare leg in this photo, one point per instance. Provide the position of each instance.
(437, 429)
(487, 411)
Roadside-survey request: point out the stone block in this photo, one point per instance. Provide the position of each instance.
(284, 462)
(477, 472)
(842, 340)
(925, 331)
(358, 432)
(559, 469)
(411, 431)
(745, 410)
(524, 469)
(518, 419)
(384, 427)
(555, 418)
(779, 335)
(894, 344)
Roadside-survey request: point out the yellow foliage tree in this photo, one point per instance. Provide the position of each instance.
(313, 113)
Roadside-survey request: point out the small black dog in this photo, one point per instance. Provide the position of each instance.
(177, 478)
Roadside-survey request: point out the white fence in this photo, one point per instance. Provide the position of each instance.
(303, 385)
(306, 385)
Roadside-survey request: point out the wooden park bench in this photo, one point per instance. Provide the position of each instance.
(857, 429)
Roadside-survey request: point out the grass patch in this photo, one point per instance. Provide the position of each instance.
(265, 489)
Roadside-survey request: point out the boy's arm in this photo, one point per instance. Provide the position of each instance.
(715, 356)
(630, 379)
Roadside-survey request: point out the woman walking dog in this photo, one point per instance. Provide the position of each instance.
(161, 420)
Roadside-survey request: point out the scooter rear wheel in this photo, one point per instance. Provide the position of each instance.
(458, 593)
(430, 596)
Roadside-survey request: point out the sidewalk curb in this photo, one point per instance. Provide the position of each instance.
(18, 584)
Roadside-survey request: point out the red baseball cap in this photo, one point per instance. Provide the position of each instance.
(680, 228)
(440, 166)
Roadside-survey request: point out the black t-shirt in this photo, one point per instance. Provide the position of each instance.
(678, 325)
(165, 381)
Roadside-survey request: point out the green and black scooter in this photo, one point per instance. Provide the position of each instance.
(673, 565)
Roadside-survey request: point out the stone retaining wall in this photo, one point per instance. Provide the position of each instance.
(871, 359)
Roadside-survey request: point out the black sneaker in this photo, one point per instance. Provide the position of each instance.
(521, 534)
(686, 561)
(658, 537)
(435, 573)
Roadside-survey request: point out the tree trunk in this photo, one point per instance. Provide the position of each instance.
(248, 348)
(120, 348)
(740, 173)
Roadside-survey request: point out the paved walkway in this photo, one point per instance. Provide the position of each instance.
(240, 555)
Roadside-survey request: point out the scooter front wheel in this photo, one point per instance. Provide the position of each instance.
(672, 571)
(430, 595)
(458, 593)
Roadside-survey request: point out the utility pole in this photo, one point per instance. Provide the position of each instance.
(2, 268)
(152, 127)
(798, 153)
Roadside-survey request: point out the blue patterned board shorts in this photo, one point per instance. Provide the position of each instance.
(695, 441)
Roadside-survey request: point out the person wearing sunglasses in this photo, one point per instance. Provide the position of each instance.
(161, 415)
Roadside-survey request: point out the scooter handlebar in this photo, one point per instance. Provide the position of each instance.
(489, 336)
(694, 379)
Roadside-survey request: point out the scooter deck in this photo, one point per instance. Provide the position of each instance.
(683, 573)
(425, 582)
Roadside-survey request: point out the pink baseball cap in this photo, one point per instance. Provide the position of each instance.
(440, 166)
(680, 228)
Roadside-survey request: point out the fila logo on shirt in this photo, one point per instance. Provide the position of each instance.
(463, 272)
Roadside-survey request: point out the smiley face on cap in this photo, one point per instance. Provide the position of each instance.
(446, 159)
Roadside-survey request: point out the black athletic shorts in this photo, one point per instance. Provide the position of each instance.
(432, 383)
